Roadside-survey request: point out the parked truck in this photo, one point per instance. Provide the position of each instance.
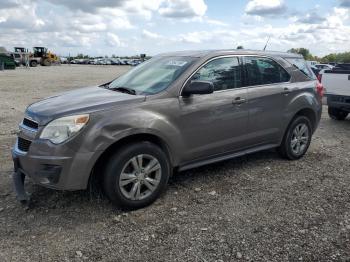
(337, 84)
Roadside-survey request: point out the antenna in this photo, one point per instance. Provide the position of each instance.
(268, 40)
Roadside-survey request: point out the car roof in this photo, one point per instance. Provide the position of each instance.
(205, 53)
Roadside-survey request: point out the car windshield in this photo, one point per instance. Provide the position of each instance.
(302, 66)
(153, 76)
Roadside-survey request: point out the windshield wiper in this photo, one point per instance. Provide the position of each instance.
(124, 90)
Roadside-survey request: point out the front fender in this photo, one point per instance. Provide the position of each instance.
(106, 129)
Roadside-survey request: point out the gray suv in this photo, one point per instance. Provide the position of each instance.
(174, 112)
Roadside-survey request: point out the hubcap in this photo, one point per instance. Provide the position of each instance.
(300, 139)
(140, 177)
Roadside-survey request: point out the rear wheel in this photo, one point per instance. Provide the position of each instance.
(297, 138)
(337, 114)
(136, 175)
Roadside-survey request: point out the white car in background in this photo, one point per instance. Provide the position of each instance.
(312, 63)
(324, 66)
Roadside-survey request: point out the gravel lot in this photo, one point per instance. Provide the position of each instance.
(255, 208)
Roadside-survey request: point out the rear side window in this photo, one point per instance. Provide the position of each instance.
(301, 64)
(263, 71)
(224, 73)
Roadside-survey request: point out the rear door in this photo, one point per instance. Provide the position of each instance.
(268, 91)
(215, 123)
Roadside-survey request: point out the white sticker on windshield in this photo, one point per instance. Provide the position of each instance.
(176, 63)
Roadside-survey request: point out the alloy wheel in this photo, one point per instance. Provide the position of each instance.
(300, 139)
(140, 177)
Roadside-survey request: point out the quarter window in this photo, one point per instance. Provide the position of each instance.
(263, 71)
(224, 73)
(302, 66)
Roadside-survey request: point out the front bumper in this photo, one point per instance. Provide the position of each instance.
(54, 166)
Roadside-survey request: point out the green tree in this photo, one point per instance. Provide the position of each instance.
(240, 47)
(302, 51)
(339, 58)
(82, 56)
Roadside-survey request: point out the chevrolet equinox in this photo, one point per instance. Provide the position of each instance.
(175, 111)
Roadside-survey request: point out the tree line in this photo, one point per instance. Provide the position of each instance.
(334, 57)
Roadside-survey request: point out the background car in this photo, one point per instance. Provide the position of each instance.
(323, 66)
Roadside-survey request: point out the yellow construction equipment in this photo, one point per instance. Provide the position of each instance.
(42, 56)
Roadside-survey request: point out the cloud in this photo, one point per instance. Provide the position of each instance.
(166, 8)
(311, 18)
(113, 40)
(8, 4)
(89, 6)
(150, 35)
(24, 17)
(215, 22)
(128, 27)
(183, 8)
(217, 37)
(330, 35)
(265, 7)
(344, 3)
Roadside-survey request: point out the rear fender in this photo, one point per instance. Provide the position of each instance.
(303, 101)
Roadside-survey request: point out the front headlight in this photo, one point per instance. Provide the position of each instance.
(59, 130)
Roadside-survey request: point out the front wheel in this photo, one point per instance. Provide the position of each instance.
(297, 139)
(136, 175)
(33, 63)
(337, 114)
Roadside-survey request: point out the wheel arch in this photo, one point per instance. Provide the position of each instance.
(133, 138)
(310, 114)
(307, 112)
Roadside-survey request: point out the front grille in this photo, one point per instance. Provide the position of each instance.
(30, 123)
(23, 144)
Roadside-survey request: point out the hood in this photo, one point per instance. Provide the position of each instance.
(83, 100)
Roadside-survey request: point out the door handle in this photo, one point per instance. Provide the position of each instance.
(238, 101)
(286, 91)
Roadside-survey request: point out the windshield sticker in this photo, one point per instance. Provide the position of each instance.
(176, 63)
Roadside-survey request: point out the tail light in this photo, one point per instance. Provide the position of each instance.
(319, 89)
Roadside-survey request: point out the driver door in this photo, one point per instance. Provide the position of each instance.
(217, 123)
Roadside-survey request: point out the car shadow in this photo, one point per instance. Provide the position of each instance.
(44, 198)
(215, 169)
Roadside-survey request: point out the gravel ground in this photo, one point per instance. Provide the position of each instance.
(254, 208)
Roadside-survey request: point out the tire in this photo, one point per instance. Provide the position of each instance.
(126, 161)
(299, 132)
(33, 63)
(46, 62)
(337, 114)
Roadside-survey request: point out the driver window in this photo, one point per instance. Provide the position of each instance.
(224, 73)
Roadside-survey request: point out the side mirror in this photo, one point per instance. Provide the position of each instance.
(198, 88)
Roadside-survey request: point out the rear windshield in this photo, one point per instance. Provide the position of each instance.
(301, 64)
